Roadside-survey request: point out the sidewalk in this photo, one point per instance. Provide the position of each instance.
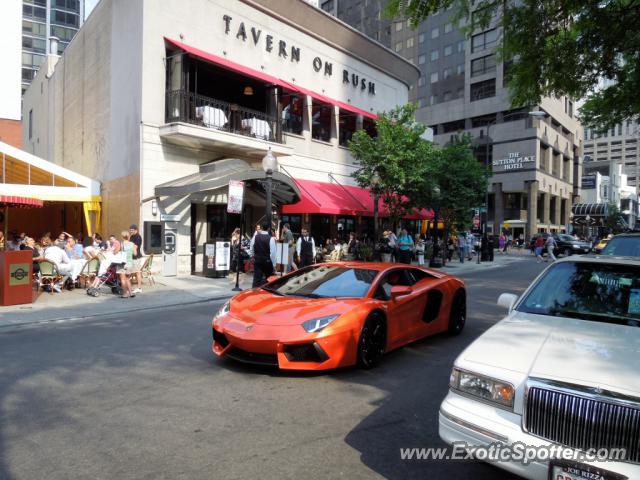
(168, 292)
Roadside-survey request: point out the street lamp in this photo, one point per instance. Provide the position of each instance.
(375, 182)
(434, 262)
(534, 114)
(269, 165)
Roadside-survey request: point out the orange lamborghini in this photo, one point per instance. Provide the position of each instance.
(332, 315)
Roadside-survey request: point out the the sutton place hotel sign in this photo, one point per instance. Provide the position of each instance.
(514, 161)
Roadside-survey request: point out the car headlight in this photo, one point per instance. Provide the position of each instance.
(317, 324)
(223, 310)
(576, 246)
(485, 388)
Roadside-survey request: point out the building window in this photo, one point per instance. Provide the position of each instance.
(398, 26)
(461, 46)
(28, 74)
(448, 50)
(483, 65)
(482, 90)
(435, 55)
(321, 114)
(37, 45)
(422, 81)
(292, 110)
(447, 73)
(327, 6)
(433, 99)
(36, 13)
(435, 33)
(347, 126)
(446, 96)
(64, 18)
(422, 59)
(72, 5)
(421, 102)
(33, 28)
(421, 38)
(30, 124)
(398, 46)
(409, 42)
(619, 129)
(453, 126)
(434, 77)
(484, 40)
(460, 69)
(448, 27)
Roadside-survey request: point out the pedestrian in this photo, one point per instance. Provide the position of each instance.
(124, 271)
(538, 246)
(551, 245)
(136, 265)
(462, 246)
(306, 249)
(287, 239)
(263, 251)
(419, 246)
(502, 242)
(405, 247)
(471, 243)
(393, 244)
(353, 247)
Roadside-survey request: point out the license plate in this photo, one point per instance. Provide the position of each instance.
(575, 471)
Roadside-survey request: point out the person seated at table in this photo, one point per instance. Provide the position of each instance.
(73, 249)
(13, 245)
(30, 244)
(56, 255)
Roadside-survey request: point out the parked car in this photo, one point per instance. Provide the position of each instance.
(561, 369)
(626, 244)
(565, 244)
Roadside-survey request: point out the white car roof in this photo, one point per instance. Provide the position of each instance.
(601, 259)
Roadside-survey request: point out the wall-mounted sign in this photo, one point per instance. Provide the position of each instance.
(169, 218)
(588, 182)
(514, 161)
(270, 44)
(236, 196)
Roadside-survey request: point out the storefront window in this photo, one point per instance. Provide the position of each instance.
(345, 225)
(321, 121)
(347, 127)
(294, 221)
(369, 126)
(292, 108)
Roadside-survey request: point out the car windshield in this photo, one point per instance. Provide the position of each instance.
(566, 238)
(325, 281)
(605, 293)
(623, 246)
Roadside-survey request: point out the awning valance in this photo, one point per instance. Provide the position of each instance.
(223, 62)
(591, 209)
(336, 199)
(216, 175)
(12, 201)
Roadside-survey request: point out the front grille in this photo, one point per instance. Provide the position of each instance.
(306, 352)
(220, 338)
(579, 422)
(243, 356)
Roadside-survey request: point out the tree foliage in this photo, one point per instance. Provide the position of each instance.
(615, 221)
(560, 47)
(410, 168)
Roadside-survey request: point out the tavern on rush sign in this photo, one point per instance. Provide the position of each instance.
(280, 48)
(514, 161)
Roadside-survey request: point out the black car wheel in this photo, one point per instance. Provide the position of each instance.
(458, 315)
(372, 342)
(567, 252)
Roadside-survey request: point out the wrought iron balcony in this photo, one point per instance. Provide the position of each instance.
(188, 107)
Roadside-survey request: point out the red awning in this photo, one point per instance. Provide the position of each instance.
(336, 199)
(267, 78)
(13, 201)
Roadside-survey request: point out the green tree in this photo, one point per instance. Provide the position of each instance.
(560, 47)
(397, 153)
(615, 221)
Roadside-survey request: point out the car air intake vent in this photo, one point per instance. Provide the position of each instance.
(307, 352)
(220, 338)
(583, 421)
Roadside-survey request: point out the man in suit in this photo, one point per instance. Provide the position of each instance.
(306, 249)
(263, 251)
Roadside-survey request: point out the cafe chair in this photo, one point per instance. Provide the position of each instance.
(49, 275)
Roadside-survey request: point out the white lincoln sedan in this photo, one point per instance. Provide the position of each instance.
(553, 390)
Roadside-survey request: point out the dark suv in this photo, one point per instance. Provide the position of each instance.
(624, 245)
(565, 244)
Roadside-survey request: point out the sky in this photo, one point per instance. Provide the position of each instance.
(88, 7)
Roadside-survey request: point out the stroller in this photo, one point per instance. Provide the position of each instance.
(110, 279)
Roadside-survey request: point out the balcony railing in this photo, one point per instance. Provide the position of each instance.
(195, 109)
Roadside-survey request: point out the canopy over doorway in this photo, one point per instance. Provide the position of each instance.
(69, 201)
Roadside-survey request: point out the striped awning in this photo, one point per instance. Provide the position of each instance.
(591, 209)
(14, 201)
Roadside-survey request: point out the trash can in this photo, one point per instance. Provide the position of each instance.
(16, 270)
(209, 260)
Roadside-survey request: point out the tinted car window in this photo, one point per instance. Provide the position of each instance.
(566, 238)
(623, 246)
(325, 281)
(608, 293)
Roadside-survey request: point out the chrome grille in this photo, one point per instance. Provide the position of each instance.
(577, 421)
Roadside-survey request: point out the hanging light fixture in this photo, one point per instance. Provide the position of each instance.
(248, 90)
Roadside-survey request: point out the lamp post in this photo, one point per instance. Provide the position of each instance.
(269, 165)
(434, 262)
(375, 182)
(485, 217)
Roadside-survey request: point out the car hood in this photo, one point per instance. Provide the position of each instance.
(570, 350)
(264, 308)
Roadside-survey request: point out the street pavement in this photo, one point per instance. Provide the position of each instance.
(139, 395)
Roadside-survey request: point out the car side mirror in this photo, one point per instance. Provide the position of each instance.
(399, 291)
(507, 300)
(272, 278)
